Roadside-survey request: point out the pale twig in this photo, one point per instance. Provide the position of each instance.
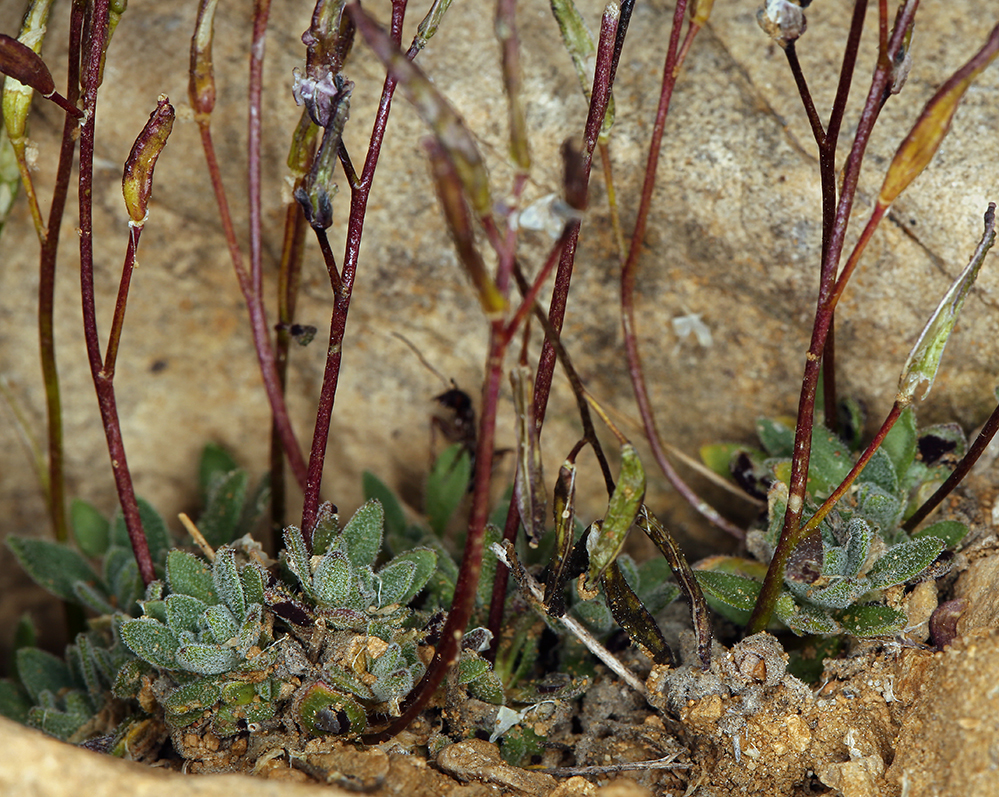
(535, 595)
(197, 536)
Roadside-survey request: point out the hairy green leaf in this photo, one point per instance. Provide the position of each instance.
(91, 529)
(52, 566)
(152, 641)
(189, 575)
(905, 561)
(363, 534)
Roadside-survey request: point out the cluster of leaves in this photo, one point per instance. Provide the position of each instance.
(313, 643)
(840, 580)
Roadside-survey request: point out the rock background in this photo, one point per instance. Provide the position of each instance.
(734, 237)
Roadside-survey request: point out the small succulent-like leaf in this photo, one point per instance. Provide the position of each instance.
(858, 547)
(91, 529)
(93, 597)
(249, 631)
(346, 681)
(40, 671)
(60, 724)
(488, 687)
(332, 579)
(880, 471)
(220, 624)
(51, 565)
(804, 619)
(225, 579)
(776, 436)
(834, 561)
(253, 583)
(829, 464)
(157, 534)
(424, 563)
(871, 620)
(130, 678)
(152, 641)
(219, 521)
(622, 509)
(297, 557)
(198, 695)
(322, 710)
(738, 592)
(184, 613)
(121, 574)
(881, 509)
(189, 575)
(326, 530)
(376, 489)
(393, 686)
(595, 615)
(904, 561)
(900, 443)
(471, 666)
(447, 486)
(15, 702)
(214, 464)
(951, 532)
(394, 581)
(363, 534)
(85, 663)
(206, 659)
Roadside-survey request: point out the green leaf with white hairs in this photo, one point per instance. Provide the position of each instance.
(394, 581)
(220, 624)
(447, 486)
(206, 659)
(40, 671)
(332, 579)
(326, 530)
(858, 547)
(151, 641)
(297, 556)
(91, 529)
(196, 696)
(157, 535)
(804, 619)
(214, 464)
(225, 578)
(921, 367)
(871, 620)
(424, 563)
(184, 613)
(249, 631)
(904, 561)
(253, 583)
(188, 574)
(776, 436)
(15, 702)
(951, 532)
(51, 565)
(219, 521)
(363, 534)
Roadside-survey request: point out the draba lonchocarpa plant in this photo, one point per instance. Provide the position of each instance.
(233, 641)
(867, 553)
